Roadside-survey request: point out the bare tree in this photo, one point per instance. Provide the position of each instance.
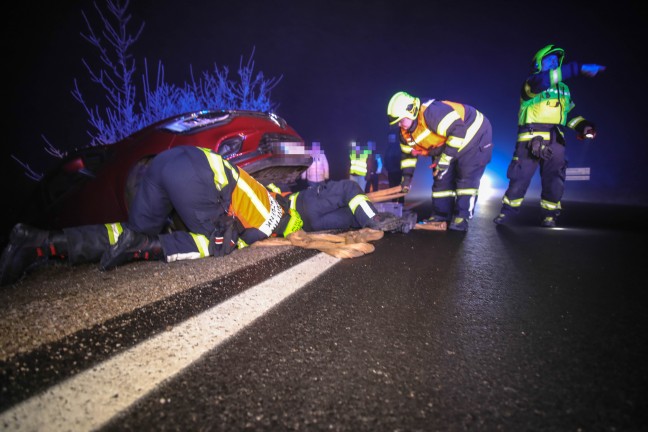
(125, 108)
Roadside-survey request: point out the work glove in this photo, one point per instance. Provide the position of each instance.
(442, 166)
(224, 238)
(419, 151)
(588, 133)
(406, 184)
(539, 149)
(435, 162)
(585, 130)
(546, 152)
(535, 146)
(591, 70)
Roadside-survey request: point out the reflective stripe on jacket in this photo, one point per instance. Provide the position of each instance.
(439, 123)
(358, 164)
(250, 201)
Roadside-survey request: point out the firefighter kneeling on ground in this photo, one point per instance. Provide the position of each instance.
(221, 205)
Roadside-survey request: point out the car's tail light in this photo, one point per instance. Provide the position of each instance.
(74, 165)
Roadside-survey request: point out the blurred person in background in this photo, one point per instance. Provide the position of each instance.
(358, 167)
(318, 171)
(374, 168)
(393, 163)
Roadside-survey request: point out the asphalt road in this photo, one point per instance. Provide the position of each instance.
(500, 328)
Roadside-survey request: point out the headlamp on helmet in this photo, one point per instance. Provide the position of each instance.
(402, 105)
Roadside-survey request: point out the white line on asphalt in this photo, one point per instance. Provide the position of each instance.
(91, 398)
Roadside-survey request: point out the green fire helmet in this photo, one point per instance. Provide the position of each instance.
(544, 52)
(402, 105)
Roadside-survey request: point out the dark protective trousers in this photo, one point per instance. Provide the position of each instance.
(173, 181)
(552, 175)
(455, 195)
(326, 206)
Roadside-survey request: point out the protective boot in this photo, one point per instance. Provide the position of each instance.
(28, 249)
(132, 246)
(548, 222)
(458, 224)
(435, 218)
(501, 219)
(86, 243)
(385, 221)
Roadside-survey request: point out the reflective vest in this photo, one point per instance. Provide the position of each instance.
(548, 107)
(358, 164)
(424, 139)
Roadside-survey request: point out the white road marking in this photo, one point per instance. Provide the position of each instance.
(91, 398)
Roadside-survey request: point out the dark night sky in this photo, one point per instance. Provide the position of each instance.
(341, 61)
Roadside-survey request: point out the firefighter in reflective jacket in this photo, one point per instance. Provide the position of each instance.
(545, 103)
(460, 140)
(221, 205)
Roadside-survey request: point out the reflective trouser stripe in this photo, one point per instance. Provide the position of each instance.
(444, 194)
(512, 203)
(185, 246)
(548, 205)
(361, 201)
(114, 231)
(202, 243)
(471, 191)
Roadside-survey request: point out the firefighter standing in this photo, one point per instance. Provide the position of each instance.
(222, 206)
(544, 107)
(460, 140)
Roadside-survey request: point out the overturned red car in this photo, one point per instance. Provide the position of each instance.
(96, 184)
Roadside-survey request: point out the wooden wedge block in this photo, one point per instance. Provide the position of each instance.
(432, 226)
(383, 198)
(383, 192)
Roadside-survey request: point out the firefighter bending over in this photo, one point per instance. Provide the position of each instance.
(459, 139)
